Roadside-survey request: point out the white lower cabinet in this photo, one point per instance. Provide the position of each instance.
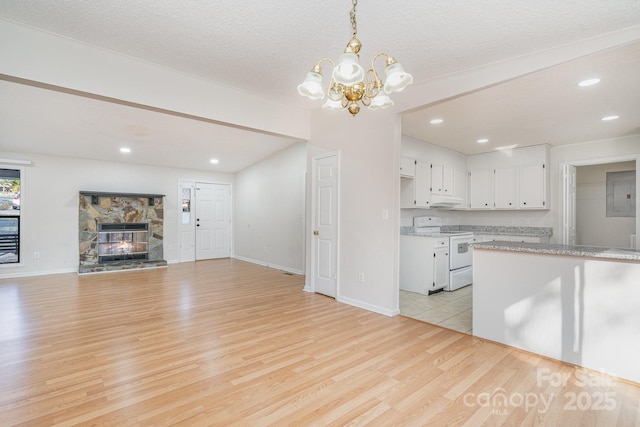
(441, 267)
(424, 263)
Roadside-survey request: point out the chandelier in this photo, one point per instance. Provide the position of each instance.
(350, 85)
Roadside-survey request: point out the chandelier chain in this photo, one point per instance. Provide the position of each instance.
(352, 15)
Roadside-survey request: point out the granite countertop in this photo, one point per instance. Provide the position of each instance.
(502, 230)
(556, 249)
(488, 229)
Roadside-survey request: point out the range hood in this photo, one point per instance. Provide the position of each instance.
(443, 201)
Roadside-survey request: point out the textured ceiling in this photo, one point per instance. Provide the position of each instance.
(265, 47)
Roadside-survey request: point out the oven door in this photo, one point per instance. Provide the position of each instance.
(461, 251)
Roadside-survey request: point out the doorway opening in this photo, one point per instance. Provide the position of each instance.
(205, 220)
(584, 201)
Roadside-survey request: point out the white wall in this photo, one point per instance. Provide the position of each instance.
(369, 147)
(269, 209)
(49, 212)
(593, 226)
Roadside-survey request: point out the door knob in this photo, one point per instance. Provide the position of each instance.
(316, 233)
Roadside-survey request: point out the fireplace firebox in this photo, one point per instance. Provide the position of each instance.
(123, 241)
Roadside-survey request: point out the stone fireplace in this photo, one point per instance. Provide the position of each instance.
(120, 231)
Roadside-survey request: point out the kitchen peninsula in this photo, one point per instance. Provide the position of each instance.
(578, 304)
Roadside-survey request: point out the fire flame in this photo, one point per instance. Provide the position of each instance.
(125, 247)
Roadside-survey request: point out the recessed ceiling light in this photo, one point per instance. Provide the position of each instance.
(125, 150)
(607, 118)
(589, 82)
(482, 140)
(436, 121)
(214, 161)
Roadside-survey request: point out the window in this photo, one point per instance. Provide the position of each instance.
(10, 208)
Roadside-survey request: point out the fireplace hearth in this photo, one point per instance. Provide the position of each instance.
(120, 231)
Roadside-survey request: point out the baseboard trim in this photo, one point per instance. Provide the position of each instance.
(369, 307)
(266, 264)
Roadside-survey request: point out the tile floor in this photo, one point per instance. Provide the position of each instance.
(448, 309)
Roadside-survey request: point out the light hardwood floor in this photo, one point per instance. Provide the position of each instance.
(226, 342)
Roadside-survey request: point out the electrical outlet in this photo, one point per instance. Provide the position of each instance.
(36, 255)
(361, 277)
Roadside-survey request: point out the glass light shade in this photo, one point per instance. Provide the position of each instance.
(381, 100)
(348, 71)
(311, 87)
(397, 78)
(332, 104)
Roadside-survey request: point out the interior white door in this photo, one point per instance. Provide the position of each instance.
(213, 221)
(569, 205)
(325, 225)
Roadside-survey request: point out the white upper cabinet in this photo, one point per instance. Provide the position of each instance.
(442, 179)
(506, 188)
(532, 186)
(436, 179)
(416, 192)
(447, 180)
(423, 184)
(407, 167)
(481, 188)
(514, 180)
(441, 171)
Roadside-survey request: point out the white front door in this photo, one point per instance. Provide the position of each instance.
(213, 220)
(324, 249)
